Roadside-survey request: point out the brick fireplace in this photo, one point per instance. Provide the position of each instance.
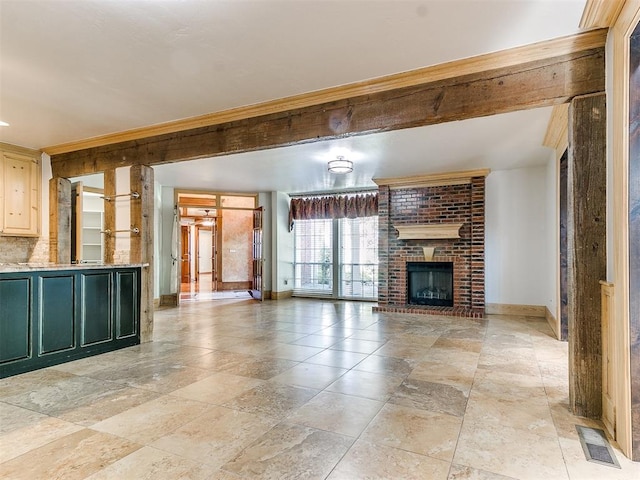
(432, 219)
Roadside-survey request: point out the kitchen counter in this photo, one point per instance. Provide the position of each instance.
(51, 314)
(47, 267)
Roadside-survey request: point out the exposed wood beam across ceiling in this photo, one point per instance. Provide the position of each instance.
(543, 74)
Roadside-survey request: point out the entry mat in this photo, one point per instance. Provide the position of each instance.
(596, 446)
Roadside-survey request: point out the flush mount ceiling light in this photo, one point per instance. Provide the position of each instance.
(340, 165)
(3, 124)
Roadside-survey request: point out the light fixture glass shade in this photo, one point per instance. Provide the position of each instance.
(340, 165)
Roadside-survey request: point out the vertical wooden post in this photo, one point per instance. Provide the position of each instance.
(142, 242)
(586, 241)
(109, 216)
(59, 220)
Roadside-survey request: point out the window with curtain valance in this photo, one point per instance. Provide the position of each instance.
(338, 206)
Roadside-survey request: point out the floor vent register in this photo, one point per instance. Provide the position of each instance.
(596, 446)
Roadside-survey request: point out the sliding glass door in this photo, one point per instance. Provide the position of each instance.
(337, 258)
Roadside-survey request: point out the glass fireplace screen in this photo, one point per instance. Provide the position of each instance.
(430, 283)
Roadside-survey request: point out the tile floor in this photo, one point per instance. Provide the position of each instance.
(304, 389)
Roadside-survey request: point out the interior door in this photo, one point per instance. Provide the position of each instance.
(185, 255)
(256, 288)
(76, 222)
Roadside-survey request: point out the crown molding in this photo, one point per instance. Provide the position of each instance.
(601, 13)
(433, 180)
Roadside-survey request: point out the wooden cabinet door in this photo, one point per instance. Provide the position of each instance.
(20, 194)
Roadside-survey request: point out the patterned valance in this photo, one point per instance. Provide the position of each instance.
(341, 206)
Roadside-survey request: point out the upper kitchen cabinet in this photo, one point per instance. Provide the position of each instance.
(20, 186)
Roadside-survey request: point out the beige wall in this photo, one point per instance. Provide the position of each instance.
(237, 232)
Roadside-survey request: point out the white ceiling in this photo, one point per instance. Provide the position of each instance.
(75, 69)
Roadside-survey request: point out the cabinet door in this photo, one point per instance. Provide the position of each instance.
(15, 319)
(21, 191)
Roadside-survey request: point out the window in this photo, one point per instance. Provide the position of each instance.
(314, 256)
(337, 258)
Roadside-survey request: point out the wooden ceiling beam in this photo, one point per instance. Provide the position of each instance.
(543, 82)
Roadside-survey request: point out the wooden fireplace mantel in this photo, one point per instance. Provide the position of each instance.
(431, 231)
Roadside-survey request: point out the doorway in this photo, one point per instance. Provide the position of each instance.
(215, 245)
(198, 266)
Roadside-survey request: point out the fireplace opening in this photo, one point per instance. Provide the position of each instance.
(430, 283)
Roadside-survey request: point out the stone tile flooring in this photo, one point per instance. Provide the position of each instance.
(304, 389)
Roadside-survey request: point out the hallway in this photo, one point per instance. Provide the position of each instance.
(292, 389)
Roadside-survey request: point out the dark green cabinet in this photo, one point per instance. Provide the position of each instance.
(126, 304)
(56, 314)
(51, 317)
(15, 303)
(95, 312)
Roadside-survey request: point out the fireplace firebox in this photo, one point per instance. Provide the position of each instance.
(430, 283)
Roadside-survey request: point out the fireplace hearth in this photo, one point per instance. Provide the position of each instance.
(430, 283)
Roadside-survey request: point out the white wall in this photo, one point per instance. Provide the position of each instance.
(264, 201)
(204, 251)
(44, 204)
(518, 269)
(166, 232)
(282, 272)
(157, 237)
(552, 230)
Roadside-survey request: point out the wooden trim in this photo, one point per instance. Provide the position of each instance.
(156, 303)
(170, 300)
(433, 231)
(619, 162)
(97, 190)
(538, 311)
(141, 249)
(281, 295)
(601, 13)
(7, 147)
(432, 180)
(473, 65)
(59, 220)
(553, 322)
(109, 217)
(195, 202)
(608, 358)
(557, 135)
(230, 286)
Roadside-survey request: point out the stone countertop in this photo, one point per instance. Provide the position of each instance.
(41, 267)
